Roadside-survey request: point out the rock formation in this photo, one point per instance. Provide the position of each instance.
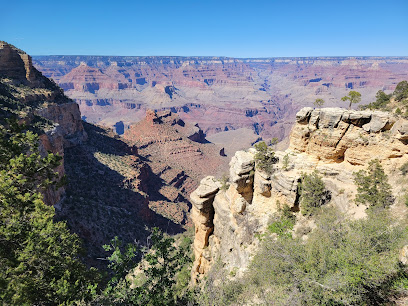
(334, 142)
(220, 94)
(178, 155)
(31, 97)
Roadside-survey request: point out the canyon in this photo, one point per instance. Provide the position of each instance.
(231, 216)
(220, 94)
(35, 100)
(182, 119)
(115, 186)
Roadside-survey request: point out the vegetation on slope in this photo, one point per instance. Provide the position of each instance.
(342, 261)
(397, 101)
(39, 258)
(313, 193)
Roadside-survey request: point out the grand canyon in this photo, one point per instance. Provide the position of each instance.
(203, 180)
(248, 97)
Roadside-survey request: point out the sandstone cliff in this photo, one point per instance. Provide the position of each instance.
(38, 102)
(333, 141)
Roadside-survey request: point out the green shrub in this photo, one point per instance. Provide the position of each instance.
(343, 262)
(160, 281)
(381, 101)
(265, 157)
(404, 168)
(285, 162)
(282, 222)
(401, 91)
(372, 186)
(313, 193)
(224, 182)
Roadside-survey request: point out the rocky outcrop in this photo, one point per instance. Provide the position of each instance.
(179, 155)
(16, 64)
(202, 214)
(334, 142)
(32, 98)
(68, 118)
(164, 137)
(337, 135)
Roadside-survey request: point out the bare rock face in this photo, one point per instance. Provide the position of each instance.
(16, 64)
(334, 142)
(202, 214)
(40, 97)
(164, 137)
(336, 135)
(68, 117)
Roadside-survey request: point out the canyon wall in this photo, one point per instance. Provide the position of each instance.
(31, 98)
(230, 216)
(220, 94)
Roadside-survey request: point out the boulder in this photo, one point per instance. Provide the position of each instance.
(208, 186)
(403, 255)
(242, 163)
(379, 121)
(303, 115)
(330, 117)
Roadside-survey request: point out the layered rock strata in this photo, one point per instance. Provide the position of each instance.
(178, 155)
(220, 94)
(334, 142)
(31, 97)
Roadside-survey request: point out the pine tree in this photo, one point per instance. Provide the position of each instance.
(353, 96)
(39, 261)
(158, 268)
(313, 193)
(372, 186)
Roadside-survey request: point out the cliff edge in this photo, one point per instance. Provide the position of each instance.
(31, 98)
(335, 142)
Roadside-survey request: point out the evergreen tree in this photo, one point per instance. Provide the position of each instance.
(39, 261)
(265, 157)
(353, 97)
(401, 91)
(318, 102)
(313, 193)
(372, 186)
(155, 285)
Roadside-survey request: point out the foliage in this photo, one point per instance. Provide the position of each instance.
(401, 91)
(39, 258)
(382, 100)
(224, 182)
(285, 162)
(318, 103)
(372, 186)
(404, 169)
(157, 283)
(283, 222)
(265, 157)
(353, 96)
(343, 262)
(313, 193)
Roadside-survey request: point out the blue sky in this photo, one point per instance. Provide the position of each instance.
(250, 28)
